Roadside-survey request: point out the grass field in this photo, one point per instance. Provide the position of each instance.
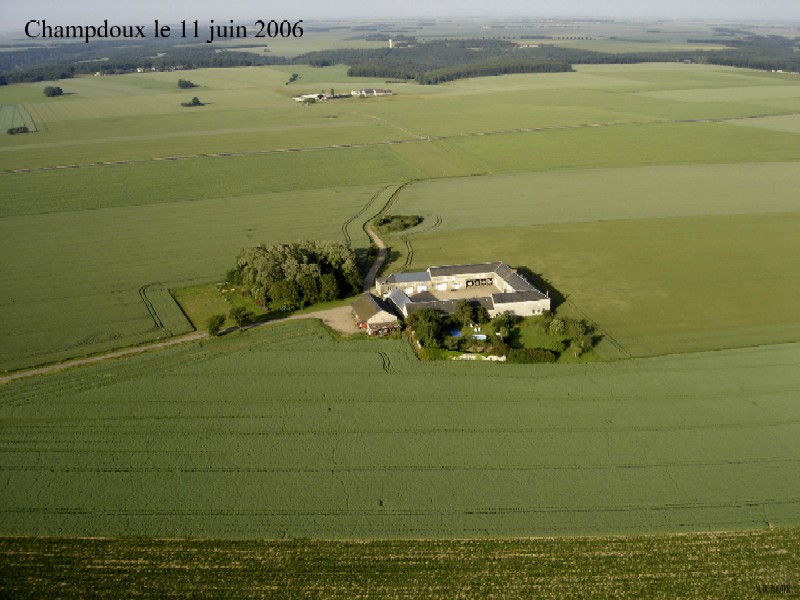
(719, 565)
(286, 432)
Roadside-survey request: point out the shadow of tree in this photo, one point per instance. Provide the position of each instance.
(542, 284)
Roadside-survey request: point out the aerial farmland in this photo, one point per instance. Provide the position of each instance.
(655, 200)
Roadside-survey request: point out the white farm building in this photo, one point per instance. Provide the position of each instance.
(494, 285)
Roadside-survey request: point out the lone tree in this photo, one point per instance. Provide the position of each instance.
(51, 91)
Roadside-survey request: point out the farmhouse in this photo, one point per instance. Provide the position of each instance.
(495, 285)
(374, 315)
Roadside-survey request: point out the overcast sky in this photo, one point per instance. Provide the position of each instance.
(15, 13)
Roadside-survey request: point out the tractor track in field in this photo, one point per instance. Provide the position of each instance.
(407, 240)
(157, 322)
(347, 239)
(415, 140)
(387, 362)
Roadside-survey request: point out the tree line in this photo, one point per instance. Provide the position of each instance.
(64, 61)
(428, 62)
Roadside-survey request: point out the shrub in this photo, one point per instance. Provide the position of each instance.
(557, 327)
(241, 316)
(557, 346)
(16, 130)
(522, 356)
(215, 323)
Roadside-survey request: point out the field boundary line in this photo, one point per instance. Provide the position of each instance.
(418, 140)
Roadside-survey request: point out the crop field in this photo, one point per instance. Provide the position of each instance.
(719, 565)
(285, 431)
(78, 274)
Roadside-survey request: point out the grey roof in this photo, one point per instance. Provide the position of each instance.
(399, 299)
(406, 277)
(518, 283)
(503, 271)
(464, 269)
(367, 306)
(527, 296)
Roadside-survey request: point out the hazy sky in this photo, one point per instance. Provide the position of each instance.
(15, 13)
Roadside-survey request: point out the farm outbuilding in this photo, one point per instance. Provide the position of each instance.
(374, 315)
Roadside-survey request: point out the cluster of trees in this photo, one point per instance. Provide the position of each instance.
(391, 223)
(431, 327)
(51, 91)
(16, 130)
(296, 275)
(754, 52)
(185, 84)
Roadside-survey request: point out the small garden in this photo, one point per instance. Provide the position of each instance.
(469, 331)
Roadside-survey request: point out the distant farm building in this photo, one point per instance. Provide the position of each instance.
(311, 97)
(495, 286)
(371, 92)
(374, 315)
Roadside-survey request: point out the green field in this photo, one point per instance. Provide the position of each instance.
(605, 143)
(285, 431)
(719, 565)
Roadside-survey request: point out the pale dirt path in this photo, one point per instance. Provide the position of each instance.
(189, 337)
(383, 253)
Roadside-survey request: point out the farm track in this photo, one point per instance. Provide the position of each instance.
(383, 250)
(381, 143)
